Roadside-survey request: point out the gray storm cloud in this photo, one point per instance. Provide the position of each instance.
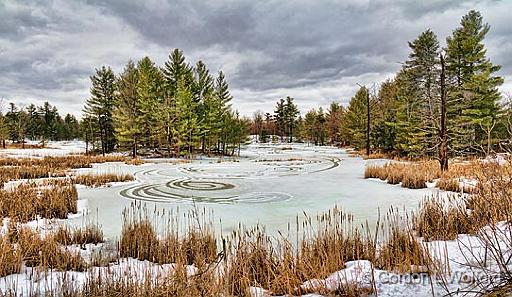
(315, 51)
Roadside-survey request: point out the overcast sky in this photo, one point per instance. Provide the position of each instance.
(315, 51)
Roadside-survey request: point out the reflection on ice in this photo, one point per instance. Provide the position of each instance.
(269, 185)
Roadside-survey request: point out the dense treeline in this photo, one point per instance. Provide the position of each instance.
(37, 123)
(173, 110)
(406, 112)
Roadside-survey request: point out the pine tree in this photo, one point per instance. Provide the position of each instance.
(127, 114)
(150, 93)
(187, 126)
(422, 74)
(174, 70)
(204, 88)
(100, 106)
(223, 98)
(473, 97)
(280, 118)
(354, 121)
(290, 113)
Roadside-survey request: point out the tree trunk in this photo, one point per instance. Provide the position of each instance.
(443, 147)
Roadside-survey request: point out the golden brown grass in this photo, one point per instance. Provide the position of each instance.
(27, 201)
(97, 180)
(10, 259)
(90, 234)
(135, 161)
(32, 168)
(410, 175)
(489, 203)
(415, 175)
(139, 240)
(38, 251)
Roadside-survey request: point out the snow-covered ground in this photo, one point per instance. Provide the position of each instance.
(53, 148)
(268, 185)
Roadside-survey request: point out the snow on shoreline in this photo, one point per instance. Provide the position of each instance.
(360, 272)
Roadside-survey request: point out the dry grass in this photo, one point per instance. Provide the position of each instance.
(10, 259)
(135, 161)
(63, 162)
(38, 251)
(139, 240)
(27, 201)
(489, 203)
(415, 175)
(31, 168)
(91, 234)
(410, 175)
(97, 180)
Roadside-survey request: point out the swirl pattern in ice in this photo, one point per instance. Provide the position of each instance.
(189, 191)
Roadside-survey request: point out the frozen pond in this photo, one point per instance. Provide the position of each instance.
(268, 185)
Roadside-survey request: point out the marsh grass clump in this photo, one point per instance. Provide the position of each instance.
(134, 161)
(28, 172)
(139, 240)
(439, 219)
(490, 202)
(10, 258)
(28, 201)
(90, 234)
(45, 252)
(276, 265)
(402, 253)
(416, 175)
(97, 180)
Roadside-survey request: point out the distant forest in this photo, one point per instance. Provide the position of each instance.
(440, 96)
(443, 101)
(38, 123)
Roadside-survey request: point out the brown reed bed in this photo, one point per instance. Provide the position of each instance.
(97, 180)
(489, 203)
(33, 168)
(410, 175)
(90, 234)
(35, 250)
(28, 202)
(245, 258)
(415, 175)
(10, 258)
(63, 162)
(139, 240)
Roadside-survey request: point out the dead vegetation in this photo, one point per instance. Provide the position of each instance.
(90, 234)
(34, 250)
(489, 203)
(27, 202)
(416, 175)
(97, 180)
(33, 168)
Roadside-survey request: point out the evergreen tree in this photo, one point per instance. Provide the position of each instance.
(422, 74)
(474, 96)
(280, 117)
(100, 106)
(204, 88)
(127, 113)
(187, 127)
(150, 93)
(354, 121)
(290, 113)
(174, 70)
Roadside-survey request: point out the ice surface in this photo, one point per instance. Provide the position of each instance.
(268, 185)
